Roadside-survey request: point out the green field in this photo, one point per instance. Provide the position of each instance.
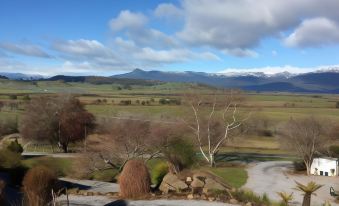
(104, 100)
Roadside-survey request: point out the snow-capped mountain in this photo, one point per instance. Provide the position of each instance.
(21, 76)
(325, 80)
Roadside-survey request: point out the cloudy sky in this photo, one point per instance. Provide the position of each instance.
(113, 36)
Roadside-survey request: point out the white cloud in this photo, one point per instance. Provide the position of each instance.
(24, 49)
(169, 11)
(314, 32)
(278, 69)
(128, 20)
(92, 52)
(134, 26)
(147, 56)
(163, 56)
(82, 47)
(242, 24)
(241, 52)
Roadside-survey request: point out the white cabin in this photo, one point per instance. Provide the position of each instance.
(325, 166)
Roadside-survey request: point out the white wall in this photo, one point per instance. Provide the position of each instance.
(324, 165)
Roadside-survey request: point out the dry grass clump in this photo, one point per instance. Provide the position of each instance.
(2, 191)
(135, 180)
(38, 184)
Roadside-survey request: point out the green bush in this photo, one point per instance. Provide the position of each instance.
(299, 166)
(14, 146)
(12, 96)
(9, 159)
(180, 153)
(8, 126)
(334, 150)
(105, 175)
(61, 166)
(26, 97)
(158, 173)
(249, 196)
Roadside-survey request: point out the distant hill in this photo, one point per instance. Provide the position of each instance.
(21, 76)
(276, 87)
(324, 81)
(314, 82)
(3, 77)
(102, 80)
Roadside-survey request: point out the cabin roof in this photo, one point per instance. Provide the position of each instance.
(327, 158)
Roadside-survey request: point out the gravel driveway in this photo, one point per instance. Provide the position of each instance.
(272, 177)
(105, 201)
(104, 187)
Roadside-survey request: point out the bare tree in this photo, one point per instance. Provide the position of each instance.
(59, 120)
(74, 122)
(120, 141)
(306, 137)
(214, 117)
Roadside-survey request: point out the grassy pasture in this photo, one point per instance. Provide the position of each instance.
(275, 107)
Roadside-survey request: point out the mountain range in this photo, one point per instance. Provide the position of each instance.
(21, 76)
(322, 81)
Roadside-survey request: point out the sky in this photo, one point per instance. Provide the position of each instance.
(106, 37)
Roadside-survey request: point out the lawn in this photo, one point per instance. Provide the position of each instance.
(62, 166)
(234, 176)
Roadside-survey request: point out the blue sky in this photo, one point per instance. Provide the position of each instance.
(113, 36)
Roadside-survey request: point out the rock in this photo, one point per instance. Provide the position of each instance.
(200, 175)
(84, 193)
(188, 179)
(172, 183)
(73, 191)
(109, 194)
(197, 183)
(90, 193)
(212, 185)
(211, 199)
(248, 204)
(196, 196)
(234, 201)
(190, 196)
(204, 197)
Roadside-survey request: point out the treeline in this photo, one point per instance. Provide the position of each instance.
(151, 101)
(103, 80)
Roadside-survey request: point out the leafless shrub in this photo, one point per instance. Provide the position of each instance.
(38, 184)
(134, 180)
(2, 191)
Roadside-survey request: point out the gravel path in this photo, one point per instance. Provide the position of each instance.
(105, 187)
(272, 177)
(105, 201)
(93, 186)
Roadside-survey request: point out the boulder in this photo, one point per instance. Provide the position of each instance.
(212, 185)
(234, 201)
(200, 175)
(211, 199)
(171, 183)
(204, 197)
(197, 183)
